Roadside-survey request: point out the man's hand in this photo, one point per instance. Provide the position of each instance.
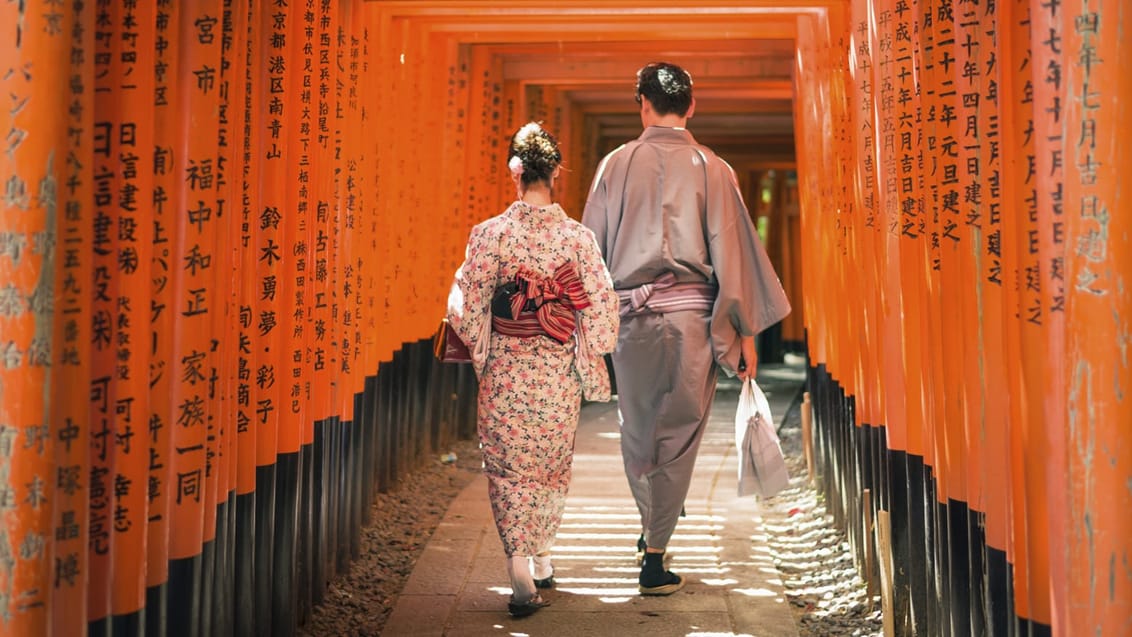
(749, 358)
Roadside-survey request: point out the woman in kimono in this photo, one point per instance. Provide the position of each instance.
(535, 304)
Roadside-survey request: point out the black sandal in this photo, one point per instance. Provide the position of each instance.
(547, 582)
(527, 608)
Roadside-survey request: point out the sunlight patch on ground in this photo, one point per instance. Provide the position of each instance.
(632, 529)
(683, 550)
(756, 592)
(684, 537)
(611, 592)
(718, 582)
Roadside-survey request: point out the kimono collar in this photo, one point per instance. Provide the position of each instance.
(525, 212)
(666, 134)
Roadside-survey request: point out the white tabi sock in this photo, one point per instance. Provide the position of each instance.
(522, 584)
(542, 566)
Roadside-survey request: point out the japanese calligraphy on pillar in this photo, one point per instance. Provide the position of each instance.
(970, 42)
(247, 245)
(945, 143)
(195, 295)
(864, 120)
(165, 198)
(1047, 277)
(1092, 111)
(130, 146)
(326, 246)
(220, 434)
(357, 192)
(915, 259)
(1026, 262)
(33, 121)
(270, 218)
(348, 269)
(235, 52)
(71, 341)
(886, 119)
(990, 123)
(108, 89)
(1098, 318)
(348, 78)
(123, 178)
(908, 127)
(292, 289)
(364, 92)
(300, 392)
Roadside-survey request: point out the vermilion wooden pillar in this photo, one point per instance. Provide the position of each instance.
(167, 184)
(1044, 454)
(1095, 523)
(246, 414)
(38, 214)
(195, 302)
(71, 336)
(131, 140)
(1020, 291)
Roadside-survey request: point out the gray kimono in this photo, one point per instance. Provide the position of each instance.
(665, 204)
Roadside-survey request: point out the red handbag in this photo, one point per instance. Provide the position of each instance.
(448, 347)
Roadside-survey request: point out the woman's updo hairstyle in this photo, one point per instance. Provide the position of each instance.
(533, 154)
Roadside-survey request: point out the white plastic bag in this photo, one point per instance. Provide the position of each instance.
(762, 468)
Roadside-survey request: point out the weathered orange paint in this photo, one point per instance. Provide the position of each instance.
(1094, 521)
(34, 169)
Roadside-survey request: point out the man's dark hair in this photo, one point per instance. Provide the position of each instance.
(666, 86)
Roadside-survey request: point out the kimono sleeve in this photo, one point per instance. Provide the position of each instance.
(595, 216)
(750, 297)
(600, 321)
(469, 301)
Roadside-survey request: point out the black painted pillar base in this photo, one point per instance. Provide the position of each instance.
(284, 602)
(184, 594)
(207, 586)
(999, 608)
(129, 625)
(264, 548)
(245, 588)
(156, 610)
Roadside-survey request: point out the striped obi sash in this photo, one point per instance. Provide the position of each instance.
(665, 294)
(544, 306)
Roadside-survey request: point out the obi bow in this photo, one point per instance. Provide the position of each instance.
(634, 300)
(552, 300)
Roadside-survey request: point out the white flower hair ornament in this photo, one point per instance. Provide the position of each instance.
(515, 165)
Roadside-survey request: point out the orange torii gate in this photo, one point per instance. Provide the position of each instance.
(227, 228)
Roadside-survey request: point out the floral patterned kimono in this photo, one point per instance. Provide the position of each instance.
(531, 387)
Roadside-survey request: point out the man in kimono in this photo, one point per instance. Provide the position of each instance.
(695, 286)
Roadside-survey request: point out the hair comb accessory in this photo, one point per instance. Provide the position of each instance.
(515, 165)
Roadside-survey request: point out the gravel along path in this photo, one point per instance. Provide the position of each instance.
(823, 586)
(359, 602)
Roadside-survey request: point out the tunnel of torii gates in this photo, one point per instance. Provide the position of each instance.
(229, 228)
